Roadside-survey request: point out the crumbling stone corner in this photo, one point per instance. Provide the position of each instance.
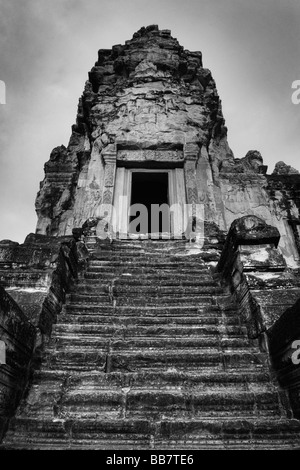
(284, 347)
(251, 245)
(17, 336)
(33, 290)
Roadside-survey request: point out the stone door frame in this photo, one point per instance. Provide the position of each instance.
(182, 162)
(123, 193)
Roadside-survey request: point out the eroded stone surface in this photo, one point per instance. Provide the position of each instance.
(37, 274)
(17, 336)
(147, 94)
(143, 102)
(151, 351)
(282, 168)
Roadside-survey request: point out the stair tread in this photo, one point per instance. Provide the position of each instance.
(149, 351)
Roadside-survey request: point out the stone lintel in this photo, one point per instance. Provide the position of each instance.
(150, 155)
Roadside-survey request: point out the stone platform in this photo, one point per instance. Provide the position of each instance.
(149, 352)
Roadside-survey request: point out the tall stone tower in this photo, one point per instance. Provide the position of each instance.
(173, 332)
(149, 107)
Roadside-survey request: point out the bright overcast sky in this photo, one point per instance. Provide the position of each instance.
(47, 48)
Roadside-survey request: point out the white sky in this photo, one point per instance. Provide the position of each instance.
(47, 48)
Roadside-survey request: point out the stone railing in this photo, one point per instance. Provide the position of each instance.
(17, 336)
(38, 273)
(35, 278)
(268, 294)
(252, 265)
(284, 348)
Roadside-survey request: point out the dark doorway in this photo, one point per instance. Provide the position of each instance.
(149, 189)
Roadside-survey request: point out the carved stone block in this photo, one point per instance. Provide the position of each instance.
(151, 155)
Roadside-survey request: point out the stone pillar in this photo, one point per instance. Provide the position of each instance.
(257, 274)
(104, 227)
(109, 155)
(190, 158)
(195, 229)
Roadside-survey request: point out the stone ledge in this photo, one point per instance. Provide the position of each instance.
(37, 275)
(18, 335)
(255, 271)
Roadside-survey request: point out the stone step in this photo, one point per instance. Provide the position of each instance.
(132, 330)
(170, 279)
(171, 403)
(79, 317)
(87, 299)
(200, 379)
(211, 253)
(146, 270)
(209, 312)
(140, 251)
(91, 396)
(163, 245)
(53, 388)
(71, 341)
(157, 256)
(119, 289)
(173, 279)
(86, 401)
(134, 299)
(139, 433)
(47, 381)
(157, 252)
(149, 263)
(133, 361)
(143, 250)
(154, 311)
(159, 259)
(150, 352)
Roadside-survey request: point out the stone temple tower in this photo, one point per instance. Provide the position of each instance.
(175, 328)
(150, 117)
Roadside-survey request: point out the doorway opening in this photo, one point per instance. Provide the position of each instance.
(150, 190)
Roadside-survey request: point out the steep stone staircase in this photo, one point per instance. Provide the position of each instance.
(149, 353)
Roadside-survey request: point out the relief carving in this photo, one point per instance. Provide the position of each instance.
(109, 175)
(107, 196)
(150, 155)
(191, 183)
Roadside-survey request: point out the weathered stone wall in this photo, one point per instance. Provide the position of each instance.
(151, 94)
(257, 273)
(285, 353)
(247, 190)
(268, 294)
(37, 275)
(18, 336)
(284, 198)
(147, 94)
(151, 104)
